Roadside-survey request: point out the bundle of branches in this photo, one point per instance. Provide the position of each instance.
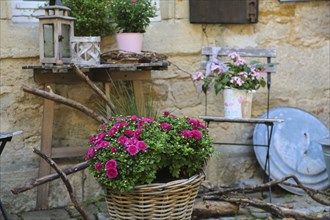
(116, 56)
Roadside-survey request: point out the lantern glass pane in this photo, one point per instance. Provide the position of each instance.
(49, 50)
(66, 41)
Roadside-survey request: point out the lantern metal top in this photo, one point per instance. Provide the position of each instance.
(55, 2)
(56, 11)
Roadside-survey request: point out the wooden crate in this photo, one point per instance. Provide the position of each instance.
(85, 50)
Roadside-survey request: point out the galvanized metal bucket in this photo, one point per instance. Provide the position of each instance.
(325, 142)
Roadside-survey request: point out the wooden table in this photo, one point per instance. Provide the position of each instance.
(105, 73)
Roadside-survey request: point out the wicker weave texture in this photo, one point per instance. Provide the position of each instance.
(173, 200)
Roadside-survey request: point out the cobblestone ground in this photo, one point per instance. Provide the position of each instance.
(98, 210)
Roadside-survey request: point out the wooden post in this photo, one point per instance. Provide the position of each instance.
(107, 89)
(139, 96)
(46, 148)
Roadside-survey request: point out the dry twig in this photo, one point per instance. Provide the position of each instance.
(65, 181)
(69, 102)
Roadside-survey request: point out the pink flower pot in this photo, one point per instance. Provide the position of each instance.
(129, 42)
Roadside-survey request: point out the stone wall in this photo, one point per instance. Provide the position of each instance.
(298, 31)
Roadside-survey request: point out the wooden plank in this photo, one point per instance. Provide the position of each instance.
(46, 144)
(67, 152)
(139, 96)
(111, 66)
(269, 69)
(97, 76)
(246, 52)
(101, 76)
(58, 78)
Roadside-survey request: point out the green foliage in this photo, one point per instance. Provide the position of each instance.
(92, 17)
(131, 16)
(130, 150)
(188, 146)
(124, 100)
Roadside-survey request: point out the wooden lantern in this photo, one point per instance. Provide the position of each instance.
(56, 29)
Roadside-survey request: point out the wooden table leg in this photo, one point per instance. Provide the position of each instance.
(46, 148)
(139, 96)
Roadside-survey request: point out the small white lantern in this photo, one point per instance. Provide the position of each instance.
(56, 29)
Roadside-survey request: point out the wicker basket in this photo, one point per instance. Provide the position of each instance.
(173, 200)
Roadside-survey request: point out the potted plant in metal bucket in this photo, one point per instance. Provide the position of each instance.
(238, 79)
(146, 164)
(131, 18)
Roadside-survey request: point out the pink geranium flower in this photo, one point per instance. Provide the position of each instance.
(90, 153)
(132, 149)
(122, 139)
(186, 133)
(92, 140)
(196, 134)
(137, 133)
(197, 76)
(102, 144)
(113, 131)
(134, 118)
(129, 133)
(141, 145)
(166, 126)
(111, 164)
(101, 135)
(98, 166)
(112, 173)
(113, 150)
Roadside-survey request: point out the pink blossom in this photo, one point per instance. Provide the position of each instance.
(243, 74)
(98, 166)
(92, 140)
(197, 76)
(196, 134)
(111, 164)
(132, 149)
(134, 118)
(234, 56)
(186, 133)
(240, 62)
(124, 124)
(132, 141)
(141, 123)
(141, 145)
(129, 133)
(256, 75)
(113, 131)
(122, 140)
(137, 133)
(113, 150)
(166, 113)
(147, 119)
(90, 153)
(117, 124)
(166, 126)
(196, 124)
(236, 80)
(215, 67)
(101, 135)
(102, 144)
(112, 173)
